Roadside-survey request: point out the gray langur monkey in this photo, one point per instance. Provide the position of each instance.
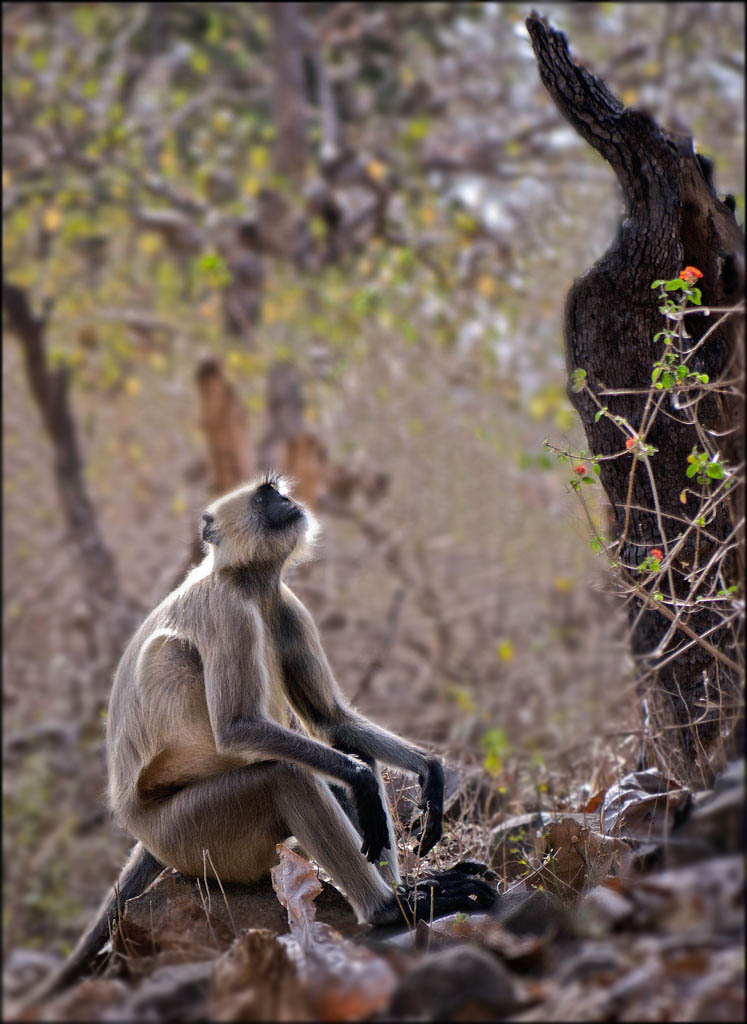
(199, 751)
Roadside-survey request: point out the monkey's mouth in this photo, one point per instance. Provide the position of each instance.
(283, 517)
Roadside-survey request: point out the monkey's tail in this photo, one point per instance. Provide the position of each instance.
(137, 874)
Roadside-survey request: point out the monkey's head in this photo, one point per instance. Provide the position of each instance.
(258, 523)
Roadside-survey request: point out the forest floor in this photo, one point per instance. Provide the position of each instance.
(628, 908)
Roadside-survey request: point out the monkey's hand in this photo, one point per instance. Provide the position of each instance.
(432, 802)
(370, 813)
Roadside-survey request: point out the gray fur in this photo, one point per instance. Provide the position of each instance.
(199, 752)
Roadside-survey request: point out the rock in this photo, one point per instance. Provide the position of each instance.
(535, 912)
(257, 979)
(595, 960)
(601, 910)
(715, 824)
(171, 917)
(460, 983)
(24, 969)
(95, 999)
(177, 992)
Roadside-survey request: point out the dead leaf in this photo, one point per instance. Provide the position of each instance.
(578, 856)
(344, 981)
(594, 801)
(642, 805)
(297, 886)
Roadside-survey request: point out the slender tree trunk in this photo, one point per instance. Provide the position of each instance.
(110, 616)
(288, 93)
(673, 219)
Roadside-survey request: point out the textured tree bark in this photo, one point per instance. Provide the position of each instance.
(288, 93)
(289, 445)
(110, 616)
(223, 421)
(673, 218)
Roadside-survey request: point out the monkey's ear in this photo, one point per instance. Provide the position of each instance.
(209, 532)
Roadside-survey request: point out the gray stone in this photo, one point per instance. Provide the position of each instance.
(460, 983)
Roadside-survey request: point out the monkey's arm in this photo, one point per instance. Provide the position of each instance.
(234, 680)
(312, 691)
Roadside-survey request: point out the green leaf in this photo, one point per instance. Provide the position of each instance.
(691, 470)
(682, 371)
(656, 373)
(601, 413)
(588, 480)
(715, 470)
(674, 286)
(703, 378)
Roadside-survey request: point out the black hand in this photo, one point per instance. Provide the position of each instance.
(370, 813)
(432, 802)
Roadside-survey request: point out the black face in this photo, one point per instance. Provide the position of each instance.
(274, 508)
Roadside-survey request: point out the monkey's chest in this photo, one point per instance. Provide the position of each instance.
(277, 703)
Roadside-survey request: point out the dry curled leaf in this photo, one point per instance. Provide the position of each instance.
(343, 981)
(642, 805)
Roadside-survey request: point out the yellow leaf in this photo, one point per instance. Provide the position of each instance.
(504, 650)
(486, 285)
(629, 96)
(51, 218)
(563, 584)
(538, 407)
(463, 699)
(270, 313)
(7, 177)
(179, 504)
(683, 497)
(132, 386)
(149, 243)
(157, 361)
(377, 170)
(427, 216)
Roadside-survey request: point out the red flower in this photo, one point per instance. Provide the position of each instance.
(630, 442)
(657, 553)
(690, 274)
(581, 470)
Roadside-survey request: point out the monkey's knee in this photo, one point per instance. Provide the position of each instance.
(227, 826)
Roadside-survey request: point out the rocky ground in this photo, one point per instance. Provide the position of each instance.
(630, 909)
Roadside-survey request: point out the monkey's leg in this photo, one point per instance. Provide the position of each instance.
(314, 817)
(240, 816)
(388, 863)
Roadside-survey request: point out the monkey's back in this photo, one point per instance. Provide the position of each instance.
(159, 736)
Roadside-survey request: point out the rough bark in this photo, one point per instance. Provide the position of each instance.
(110, 618)
(673, 218)
(223, 422)
(289, 444)
(288, 93)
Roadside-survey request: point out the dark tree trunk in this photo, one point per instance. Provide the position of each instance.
(110, 616)
(673, 219)
(288, 90)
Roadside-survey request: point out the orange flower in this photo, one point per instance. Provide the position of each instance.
(581, 470)
(657, 553)
(690, 274)
(630, 442)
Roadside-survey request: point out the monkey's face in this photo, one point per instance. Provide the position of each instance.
(259, 523)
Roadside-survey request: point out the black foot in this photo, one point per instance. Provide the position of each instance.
(433, 897)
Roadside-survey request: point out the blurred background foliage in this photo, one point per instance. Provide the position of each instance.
(382, 197)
